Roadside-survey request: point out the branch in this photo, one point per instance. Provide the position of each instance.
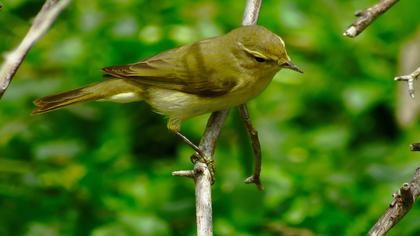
(415, 147)
(184, 173)
(203, 180)
(203, 173)
(399, 206)
(367, 16)
(410, 80)
(252, 10)
(42, 22)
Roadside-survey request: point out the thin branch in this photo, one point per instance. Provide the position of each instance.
(252, 11)
(42, 22)
(415, 147)
(256, 147)
(399, 206)
(203, 173)
(203, 180)
(209, 139)
(367, 16)
(184, 173)
(410, 80)
(214, 125)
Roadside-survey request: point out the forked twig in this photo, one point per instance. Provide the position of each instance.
(410, 80)
(367, 16)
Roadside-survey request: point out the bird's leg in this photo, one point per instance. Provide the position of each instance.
(191, 144)
(174, 125)
(199, 155)
(256, 147)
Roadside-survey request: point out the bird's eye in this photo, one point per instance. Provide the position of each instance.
(259, 59)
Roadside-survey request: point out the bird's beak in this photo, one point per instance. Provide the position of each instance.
(290, 65)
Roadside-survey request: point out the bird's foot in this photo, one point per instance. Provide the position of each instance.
(200, 157)
(254, 179)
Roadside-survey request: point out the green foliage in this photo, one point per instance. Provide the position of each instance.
(332, 149)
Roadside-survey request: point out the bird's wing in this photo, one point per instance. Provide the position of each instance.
(181, 69)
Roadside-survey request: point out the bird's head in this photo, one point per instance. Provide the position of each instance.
(262, 49)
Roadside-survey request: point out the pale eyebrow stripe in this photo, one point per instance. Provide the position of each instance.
(281, 40)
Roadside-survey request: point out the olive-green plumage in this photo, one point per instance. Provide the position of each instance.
(191, 80)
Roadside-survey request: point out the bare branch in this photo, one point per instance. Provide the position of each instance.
(42, 22)
(252, 11)
(184, 173)
(415, 147)
(203, 173)
(208, 142)
(256, 147)
(410, 80)
(398, 208)
(214, 125)
(367, 16)
(203, 199)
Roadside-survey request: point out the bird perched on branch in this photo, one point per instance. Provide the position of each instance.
(206, 76)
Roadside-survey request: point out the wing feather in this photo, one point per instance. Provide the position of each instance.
(181, 69)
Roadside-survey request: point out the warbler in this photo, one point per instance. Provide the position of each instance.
(184, 82)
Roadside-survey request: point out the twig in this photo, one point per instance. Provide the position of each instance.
(415, 147)
(203, 175)
(42, 22)
(367, 16)
(256, 147)
(252, 11)
(184, 173)
(203, 180)
(410, 80)
(202, 172)
(399, 206)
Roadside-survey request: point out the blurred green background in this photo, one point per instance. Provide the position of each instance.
(333, 150)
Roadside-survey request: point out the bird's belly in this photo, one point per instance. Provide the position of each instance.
(181, 106)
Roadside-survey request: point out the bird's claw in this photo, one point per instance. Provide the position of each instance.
(197, 157)
(254, 179)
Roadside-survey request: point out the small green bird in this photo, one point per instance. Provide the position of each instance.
(206, 76)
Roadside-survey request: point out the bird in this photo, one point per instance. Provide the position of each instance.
(206, 76)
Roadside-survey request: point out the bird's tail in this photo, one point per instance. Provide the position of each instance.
(118, 90)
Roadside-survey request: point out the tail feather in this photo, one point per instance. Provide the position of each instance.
(54, 102)
(100, 91)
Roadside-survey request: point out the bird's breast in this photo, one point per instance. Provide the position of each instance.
(181, 106)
